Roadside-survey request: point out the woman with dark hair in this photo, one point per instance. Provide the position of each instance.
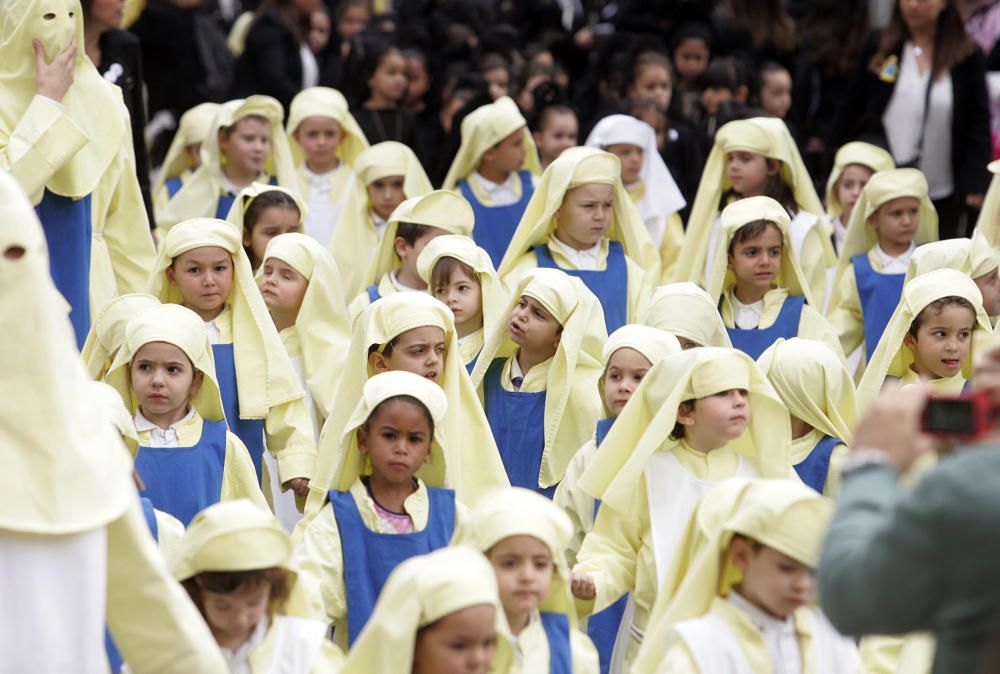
(758, 30)
(919, 89)
(379, 89)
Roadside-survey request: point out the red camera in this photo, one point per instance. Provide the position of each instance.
(967, 418)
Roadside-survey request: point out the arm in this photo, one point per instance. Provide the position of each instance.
(578, 505)
(318, 555)
(289, 433)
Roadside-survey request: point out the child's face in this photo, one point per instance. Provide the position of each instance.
(756, 262)
(397, 440)
(282, 287)
(389, 80)
(319, 137)
(507, 156)
(354, 20)
(585, 215)
(942, 342)
(464, 296)
(271, 222)
(533, 328)
(164, 381)
(524, 570)
(776, 93)
(652, 82)
(319, 31)
(385, 194)
(989, 286)
(772, 581)
(498, 80)
(462, 642)
(248, 145)
(631, 158)
(418, 82)
(896, 221)
(748, 172)
(204, 277)
(713, 97)
(420, 351)
(849, 186)
(232, 617)
(626, 369)
(408, 254)
(559, 133)
(715, 420)
(691, 58)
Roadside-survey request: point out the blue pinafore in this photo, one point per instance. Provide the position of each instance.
(517, 419)
(815, 467)
(226, 201)
(495, 225)
(68, 233)
(786, 325)
(610, 286)
(879, 294)
(370, 556)
(183, 481)
(250, 431)
(556, 626)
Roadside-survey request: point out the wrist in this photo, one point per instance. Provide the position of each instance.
(864, 457)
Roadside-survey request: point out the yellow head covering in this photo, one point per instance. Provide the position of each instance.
(65, 470)
(326, 102)
(194, 127)
(572, 403)
(652, 343)
(483, 128)
(986, 223)
(686, 310)
(891, 358)
(251, 192)
(116, 412)
(974, 257)
(94, 106)
(644, 426)
(108, 330)
(441, 208)
(575, 167)
(200, 194)
(261, 361)
(814, 384)
(855, 152)
(322, 325)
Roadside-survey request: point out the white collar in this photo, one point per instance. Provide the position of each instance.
(762, 621)
(228, 187)
(585, 260)
(320, 177)
(143, 424)
(239, 660)
(515, 368)
(902, 259)
(213, 329)
(746, 316)
(394, 277)
(491, 186)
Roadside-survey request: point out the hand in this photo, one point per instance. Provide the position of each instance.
(974, 200)
(892, 424)
(54, 79)
(299, 485)
(584, 38)
(582, 586)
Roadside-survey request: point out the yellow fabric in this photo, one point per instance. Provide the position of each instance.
(572, 403)
(653, 344)
(355, 239)
(533, 656)
(133, 9)
(973, 256)
(194, 127)
(855, 152)
(114, 408)
(251, 192)
(107, 331)
(65, 468)
(986, 223)
(442, 209)
(277, 650)
(686, 310)
(912, 654)
(483, 128)
(362, 301)
(812, 324)
(893, 359)
(326, 102)
(237, 38)
(803, 446)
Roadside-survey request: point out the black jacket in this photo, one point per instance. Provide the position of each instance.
(270, 63)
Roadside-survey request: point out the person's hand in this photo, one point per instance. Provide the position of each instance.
(974, 200)
(299, 485)
(54, 79)
(892, 424)
(582, 586)
(584, 38)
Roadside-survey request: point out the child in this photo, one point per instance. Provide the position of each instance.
(235, 563)
(183, 157)
(325, 142)
(166, 375)
(556, 130)
(818, 391)
(723, 93)
(651, 78)
(459, 274)
(853, 167)
(494, 171)
(108, 331)
(389, 502)
(974, 256)
(763, 293)
(891, 217)
(647, 181)
(774, 89)
(523, 535)
(689, 313)
(263, 212)
(381, 71)
(542, 400)
(690, 52)
(930, 336)
(246, 144)
(385, 175)
(581, 221)
(689, 426)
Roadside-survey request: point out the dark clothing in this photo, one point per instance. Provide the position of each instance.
(271, 63)
(683, 155)
(382, 125)
(172, 68)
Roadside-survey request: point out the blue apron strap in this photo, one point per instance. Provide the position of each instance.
(556, 627)
(249, 431)
(224, 204)
(603, 427)
(814, 469)
(879, 294)
(150, 514)
(373, 293)
(173, 185)
(786, 325)
(495, 225)
(68, 232)
(609, 286)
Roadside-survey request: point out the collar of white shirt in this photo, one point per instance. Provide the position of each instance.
(897, 264)
(319, 181)
(214, 333)
(228, 187)
(515, 369)
(779, 635)
(394, 277)
(746, 316)
(380, 224)
(500, 194)
(585, 260)
(161, 437)
(239, 660)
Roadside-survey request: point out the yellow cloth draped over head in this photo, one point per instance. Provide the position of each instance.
(261, 361)
(114, 408)
(651, 343)
(974, 257)
(329, 103)
(686, 311)
(483, 128)
(65, 468)
(571, 401)
(870, 156)
(194, 127)
(107, 332)
(238, 211)
(574, 168)
(986, 223)
(645, 425)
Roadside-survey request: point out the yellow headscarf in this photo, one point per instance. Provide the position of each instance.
(855, 152)
(686, 310)
(483, 128)
(194, 127)
(326, 102)
(814, 384)
(572, 403)
(65, 468)
(974, 257)
(107, 332)
(323, 329)
(891, 358)
(654, 345)
(93, 106)
(114, 408)
(986, 223)
(644, 426)
(575, 167)
(261, 361)
(251, 192)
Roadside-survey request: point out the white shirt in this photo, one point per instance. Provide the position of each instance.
(239, 660)
(212, 328)
(501, 194)
(380, 225)
(895, 265)
(324, 214)
(229, 187)
(839, 233)
(583, 260)
(515, 371)
(779, 635)
(160, 437)
(746, 316)
(393, 276)
(310, 68)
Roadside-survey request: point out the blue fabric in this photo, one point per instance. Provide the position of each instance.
(966, 387)
(610, 286)
(603, 427)
(373, 293)
(183, 481)
(150, 514)
(495, 225)
(879, 294)
(68, 232)
(173, 185)
(556, 627)
(815, 467)
(226, 201)
(517, 420)
(755, 342)
(250, 431)
(370, 556)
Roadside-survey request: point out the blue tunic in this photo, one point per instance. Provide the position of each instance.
(495, 225)
(250, 431)
(610, 286)
(879, 294)
(556, 626)
(68, 231)
(173, 185)
(370, 556)
(373, 293)
(183, 481)
(815, 467)
(517, 420)
(755, 342)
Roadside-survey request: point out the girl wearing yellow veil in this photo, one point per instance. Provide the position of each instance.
(973, 256)
(987, 223)
(66, 139)
(184, 154)
(853, 166)
(581, 220)
(688, 313)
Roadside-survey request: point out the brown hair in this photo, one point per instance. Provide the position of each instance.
(766, 21)
(774, 187)
(951, 43)
(445, 267)
(686, 407)
(936, 307)
(751, 230)
(651, 58)
(411, 231)
(226, 582)
(264, 200)
(227, 131)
